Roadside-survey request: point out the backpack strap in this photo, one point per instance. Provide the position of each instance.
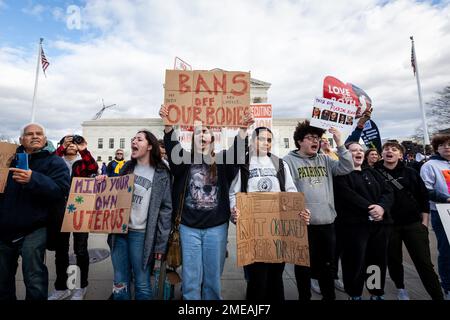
(279, 165)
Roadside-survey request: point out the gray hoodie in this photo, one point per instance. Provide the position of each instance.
(314, 177)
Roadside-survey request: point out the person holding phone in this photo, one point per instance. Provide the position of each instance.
(25, 207)
(80, 162)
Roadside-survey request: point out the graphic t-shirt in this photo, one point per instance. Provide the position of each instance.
(201, 197)
(141, 196)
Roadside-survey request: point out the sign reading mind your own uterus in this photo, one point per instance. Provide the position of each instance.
(99, 206)
(212, 98)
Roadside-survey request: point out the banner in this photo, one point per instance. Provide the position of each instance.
(211, 98)
(330, 113)
(371, 135)
(269, 228)
(348, 93)
(444, 214)
(7, 153)
(100, 207)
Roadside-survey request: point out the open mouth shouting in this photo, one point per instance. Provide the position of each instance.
(315, 147)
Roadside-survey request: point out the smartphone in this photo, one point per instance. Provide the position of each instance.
(22, 161)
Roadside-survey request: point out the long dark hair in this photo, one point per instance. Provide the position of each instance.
(212, 177)
(154, 157)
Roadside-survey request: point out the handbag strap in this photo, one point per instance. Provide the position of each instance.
(180, 204)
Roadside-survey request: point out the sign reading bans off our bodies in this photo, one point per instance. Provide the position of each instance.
(214, 98)
(269, 228)
(101, 207)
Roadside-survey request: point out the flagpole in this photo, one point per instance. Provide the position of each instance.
(33, 105)
(426, 137)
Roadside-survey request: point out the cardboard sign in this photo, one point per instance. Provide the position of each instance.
(211, 98)
(269, 228)
(347, 93)
(262, 114)
(99, 207)
(444, 214)
(329, 113)
(7, 153)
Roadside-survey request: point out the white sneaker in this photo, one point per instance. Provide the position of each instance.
(339, 285)
(60, 295)
(402, 294)
(315, 286)
(78, 294)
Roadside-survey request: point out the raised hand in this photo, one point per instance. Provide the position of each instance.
(336, 136)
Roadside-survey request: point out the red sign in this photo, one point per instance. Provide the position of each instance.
(348, 93)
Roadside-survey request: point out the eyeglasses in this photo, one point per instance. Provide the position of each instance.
(444, 145)
(119, 154)
(312, 138)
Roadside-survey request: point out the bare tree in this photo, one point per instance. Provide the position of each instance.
(437, 113)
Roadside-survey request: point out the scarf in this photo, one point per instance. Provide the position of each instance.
(118, 166)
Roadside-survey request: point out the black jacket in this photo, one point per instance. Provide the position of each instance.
(227, 167)
(412, 200)
(356, 191)
(26, 208)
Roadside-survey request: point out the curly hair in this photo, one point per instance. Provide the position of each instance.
(304, 128)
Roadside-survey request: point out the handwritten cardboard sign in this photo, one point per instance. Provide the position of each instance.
(99, 207)
(7, 152)
(211, 98)
(329, 113)
(269, 228)
(444, 214)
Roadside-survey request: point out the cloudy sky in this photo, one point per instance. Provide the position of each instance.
(119, 50)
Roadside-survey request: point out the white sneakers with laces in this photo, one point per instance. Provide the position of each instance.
(315, 286)
(60, 295)
(402, 294)
(338, 285)
(78, 294)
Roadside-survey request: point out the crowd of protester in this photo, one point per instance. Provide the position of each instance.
(362, 206)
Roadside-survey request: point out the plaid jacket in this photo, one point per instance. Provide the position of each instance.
(85, 167)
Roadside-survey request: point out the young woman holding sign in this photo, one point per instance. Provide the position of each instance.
(202, 180)
(263, 172)
(150, 220)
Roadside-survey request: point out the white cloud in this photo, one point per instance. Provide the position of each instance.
(291, 44)
(35, 10)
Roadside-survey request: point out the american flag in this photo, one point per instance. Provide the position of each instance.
(44, 60)
(413, 56)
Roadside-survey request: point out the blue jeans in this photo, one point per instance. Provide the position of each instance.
(126, 256)
(35, 273)
(443, 250)
(203, 252)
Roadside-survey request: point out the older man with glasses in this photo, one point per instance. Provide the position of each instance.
(113, 168)
(29, 200)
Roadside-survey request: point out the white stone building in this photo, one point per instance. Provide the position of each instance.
(104, 136)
